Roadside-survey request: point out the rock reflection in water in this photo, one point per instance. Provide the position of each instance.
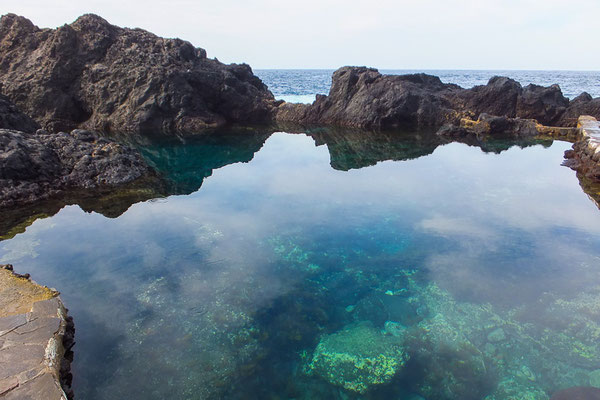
(252, 286)
(182, 163)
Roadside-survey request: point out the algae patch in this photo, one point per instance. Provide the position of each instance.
(357, 357)
(17, 293)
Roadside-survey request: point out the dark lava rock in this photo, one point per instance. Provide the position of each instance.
(583, 104)
(577, 393)
(491, 125)
(544, 104)
(362, 97)
(12, 118)
(39, 166)
(94, 75)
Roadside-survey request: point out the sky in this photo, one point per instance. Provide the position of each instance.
(386, 34)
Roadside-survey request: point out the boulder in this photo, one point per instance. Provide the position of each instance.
(94, 75)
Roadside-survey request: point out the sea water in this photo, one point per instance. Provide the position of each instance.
(301, 86)
(333, 264)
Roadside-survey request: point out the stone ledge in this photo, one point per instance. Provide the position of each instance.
(585, 157)
(36, 336)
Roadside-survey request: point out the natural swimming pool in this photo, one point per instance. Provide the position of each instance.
(372, 266)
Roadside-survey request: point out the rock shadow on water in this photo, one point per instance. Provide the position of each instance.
(110, 202)
(181, 164)
(184, 161)
(355, 149)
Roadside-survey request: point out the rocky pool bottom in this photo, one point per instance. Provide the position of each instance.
(308, 272)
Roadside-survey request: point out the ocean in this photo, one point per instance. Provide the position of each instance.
(302, 85)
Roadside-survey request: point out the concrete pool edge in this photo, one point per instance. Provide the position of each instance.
(36, 337)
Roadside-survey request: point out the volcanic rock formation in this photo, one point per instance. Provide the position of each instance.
(94, 75)
(362, 97)
(12, 118)
(41, 165)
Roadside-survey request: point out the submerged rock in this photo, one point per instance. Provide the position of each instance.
(34, 167)
(362, 97)
(497, 335)
(94, 75)
(445, 363)
(577, 393)
(357, 358)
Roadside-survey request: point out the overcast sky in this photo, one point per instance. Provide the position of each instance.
(387, 34)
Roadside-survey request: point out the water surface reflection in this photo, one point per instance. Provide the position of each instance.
(464, 274)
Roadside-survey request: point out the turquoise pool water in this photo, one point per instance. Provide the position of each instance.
(371, 266)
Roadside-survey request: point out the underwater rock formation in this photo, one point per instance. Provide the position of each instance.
(357, 357)
(449, 365)
(94, 75)
(39, 166)
(36, 337)
(363, 98)
(577, 393)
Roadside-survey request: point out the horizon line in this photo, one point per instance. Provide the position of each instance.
(426, 69)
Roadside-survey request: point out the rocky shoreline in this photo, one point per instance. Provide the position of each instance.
(361, 97)
(64, 90)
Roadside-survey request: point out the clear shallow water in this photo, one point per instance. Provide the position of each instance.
(301, 86)
(447, 273)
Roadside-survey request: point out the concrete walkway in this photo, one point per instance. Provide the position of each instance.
(34, 329)
(590, 131)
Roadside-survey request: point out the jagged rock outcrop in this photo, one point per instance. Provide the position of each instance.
(94, 75)
(39, 166)
(12, 118)
(362, 97)
(583, 104)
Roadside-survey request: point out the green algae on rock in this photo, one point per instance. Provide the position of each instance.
(357, 357)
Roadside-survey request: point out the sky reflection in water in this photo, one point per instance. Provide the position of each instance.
(221, 293)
